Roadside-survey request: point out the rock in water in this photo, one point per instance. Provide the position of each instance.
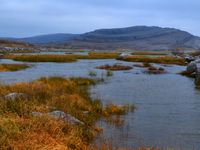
(197, 80)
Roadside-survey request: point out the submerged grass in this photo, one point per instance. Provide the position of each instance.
(161, 60)
(19, 129)
(12, 67)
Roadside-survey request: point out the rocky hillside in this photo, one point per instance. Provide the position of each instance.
(136, 38)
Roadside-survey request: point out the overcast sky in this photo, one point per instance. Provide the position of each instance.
(20, 18)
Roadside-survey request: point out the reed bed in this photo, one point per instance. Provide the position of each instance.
(61, 58)
(159, 60)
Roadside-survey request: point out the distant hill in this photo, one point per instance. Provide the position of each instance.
(11, 43)
(47, 39)
(137, 38)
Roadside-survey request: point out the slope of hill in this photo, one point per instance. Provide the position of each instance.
(46, 39)
(137, 38)
(10, 45)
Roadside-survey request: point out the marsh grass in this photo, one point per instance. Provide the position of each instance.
(42, 58)
(115, 67)
(12, 67)
(149, 53)
(159, 60)
(61, 58)
(20, 130)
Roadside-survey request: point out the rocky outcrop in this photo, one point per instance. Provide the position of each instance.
(197, 80)
(194, 67)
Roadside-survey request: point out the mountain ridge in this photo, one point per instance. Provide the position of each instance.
(135, 37)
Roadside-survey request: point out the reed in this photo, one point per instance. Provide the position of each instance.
(159, 60)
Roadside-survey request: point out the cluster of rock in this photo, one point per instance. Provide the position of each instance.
(194, 67)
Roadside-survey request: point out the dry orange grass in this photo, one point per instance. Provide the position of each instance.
(61, 58)
(19, 129)
(161, 60)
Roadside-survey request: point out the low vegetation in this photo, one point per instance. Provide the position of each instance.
(160, 60)
(42, 58)
(115, 67)
(12, 67)
(95, 55)
(61, 58)
(155, 70)
(187, 74)
(20, 129)
(149, 53)
(92, 73)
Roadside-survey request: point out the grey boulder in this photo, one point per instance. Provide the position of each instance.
(13, 96)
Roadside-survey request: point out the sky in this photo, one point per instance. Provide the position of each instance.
(23, 18)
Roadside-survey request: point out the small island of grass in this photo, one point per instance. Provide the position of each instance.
(115, 67)
(159, 60)
(12, 67)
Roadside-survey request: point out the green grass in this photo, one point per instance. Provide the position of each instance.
(42, 58)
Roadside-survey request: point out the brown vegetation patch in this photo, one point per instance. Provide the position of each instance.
(155, 70)
(19, 129)
(12, 67)
(159, 60)
(115, 67)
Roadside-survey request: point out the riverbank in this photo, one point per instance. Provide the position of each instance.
(30, 114)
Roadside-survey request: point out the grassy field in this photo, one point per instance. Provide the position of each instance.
(61, 58)
(12, 67)
(19, 129)
(161, 60)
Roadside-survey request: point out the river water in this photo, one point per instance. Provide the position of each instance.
(168, 105)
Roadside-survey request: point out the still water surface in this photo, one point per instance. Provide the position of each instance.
(168, 105)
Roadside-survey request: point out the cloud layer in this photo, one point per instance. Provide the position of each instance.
(20, 18)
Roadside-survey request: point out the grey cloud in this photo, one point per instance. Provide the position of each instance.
(31, 17)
